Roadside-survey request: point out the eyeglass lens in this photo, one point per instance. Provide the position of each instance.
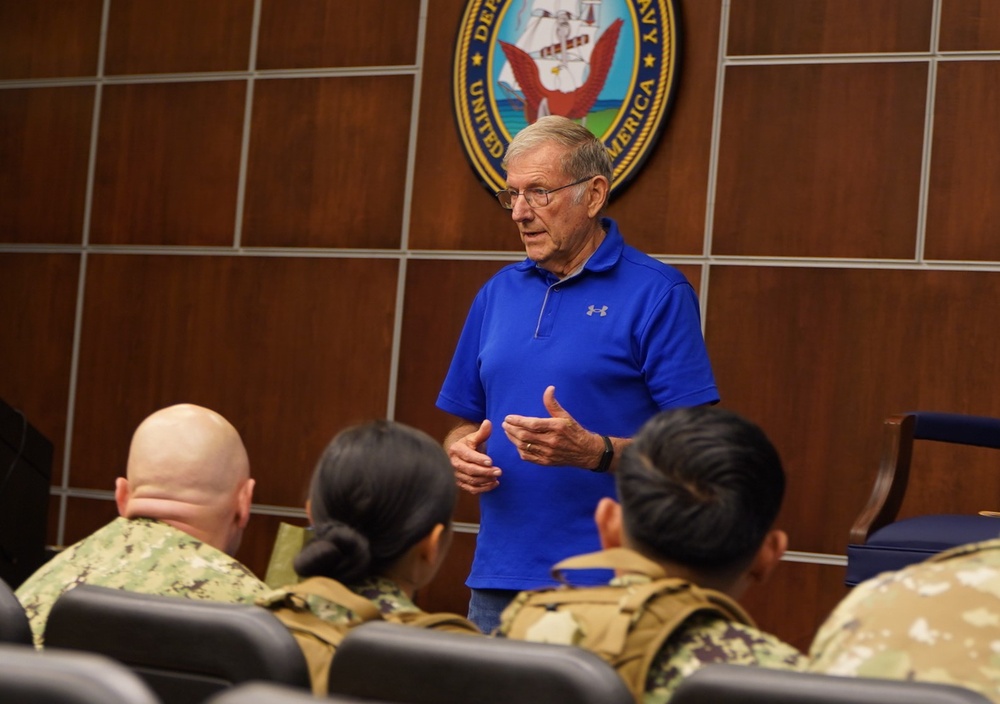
(534, 197)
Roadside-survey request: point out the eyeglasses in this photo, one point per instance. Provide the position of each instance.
(534, 197)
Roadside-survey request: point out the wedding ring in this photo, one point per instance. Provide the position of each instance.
(527, 447)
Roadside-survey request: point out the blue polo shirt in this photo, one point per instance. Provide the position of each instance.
(620, 341)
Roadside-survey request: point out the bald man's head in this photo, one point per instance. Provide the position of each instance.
(187, 466)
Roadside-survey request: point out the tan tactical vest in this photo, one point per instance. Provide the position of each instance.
(626, 625)
(319, 639)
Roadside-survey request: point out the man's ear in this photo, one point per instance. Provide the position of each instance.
(768, 556)
(244, 500)
(597, 195)
(122, 494)
(608, 518)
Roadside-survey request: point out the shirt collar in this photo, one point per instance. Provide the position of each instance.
(605, 257)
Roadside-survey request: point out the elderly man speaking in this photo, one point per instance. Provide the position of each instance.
(568, 352)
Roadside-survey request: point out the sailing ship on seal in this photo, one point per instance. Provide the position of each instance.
(560, 62)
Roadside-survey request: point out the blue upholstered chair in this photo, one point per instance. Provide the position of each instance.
(878, 542)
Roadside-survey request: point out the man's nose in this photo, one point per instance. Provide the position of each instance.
(521, 210)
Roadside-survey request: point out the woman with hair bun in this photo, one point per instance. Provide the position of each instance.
(380, 503)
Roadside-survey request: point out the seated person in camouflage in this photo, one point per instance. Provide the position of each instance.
(934, 621)
(182, 509)
(699, 490)
(380, 505)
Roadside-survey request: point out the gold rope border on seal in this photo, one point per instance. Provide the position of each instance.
(626, 163)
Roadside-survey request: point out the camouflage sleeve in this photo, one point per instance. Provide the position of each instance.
(934, 621)
(839, 622)
(708, 639)
(142, 556)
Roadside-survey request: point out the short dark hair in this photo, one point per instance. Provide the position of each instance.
(700, 487)
(377, 490)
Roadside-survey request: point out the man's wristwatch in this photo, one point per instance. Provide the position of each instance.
(609, 454)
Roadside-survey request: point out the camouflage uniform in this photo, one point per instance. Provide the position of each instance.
(935, 621)
(139, 555)
(382, 592)
(708, 639)
(320, 612)
(702, 640)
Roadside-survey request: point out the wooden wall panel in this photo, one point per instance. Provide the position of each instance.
(963, 208)
(289, 350)
(762, 27)
(795, 600)
(455, 211)
(258, 539)
(312, 33)
(36, 42)
(970, 25)
(821, 160)
(818, 357)
(178, 36)
(438, 295)
(691, 273)
(44, 145)
(328, 162)
(447, 592)
(663, 210)
(38, 301)
(951, 479)
(168, 163)
(84, 516)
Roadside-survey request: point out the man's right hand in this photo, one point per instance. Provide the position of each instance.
(474, 470)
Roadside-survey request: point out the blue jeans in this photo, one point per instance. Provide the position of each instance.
(486, 605)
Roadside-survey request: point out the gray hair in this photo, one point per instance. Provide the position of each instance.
(585, 156)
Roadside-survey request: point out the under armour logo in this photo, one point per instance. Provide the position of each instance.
(603, 310)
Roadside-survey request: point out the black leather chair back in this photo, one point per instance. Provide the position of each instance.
(14, 626)
(185, 649)
(270, 693)
(29, 676)
(397, 663)
(738, 684)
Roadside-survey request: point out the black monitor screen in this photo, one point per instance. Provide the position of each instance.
(25, 478)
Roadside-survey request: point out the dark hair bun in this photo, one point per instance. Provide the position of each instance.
(337, 551)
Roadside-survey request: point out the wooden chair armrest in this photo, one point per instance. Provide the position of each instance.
(890, 482)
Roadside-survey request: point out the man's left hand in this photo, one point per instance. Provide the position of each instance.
(557, 440)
